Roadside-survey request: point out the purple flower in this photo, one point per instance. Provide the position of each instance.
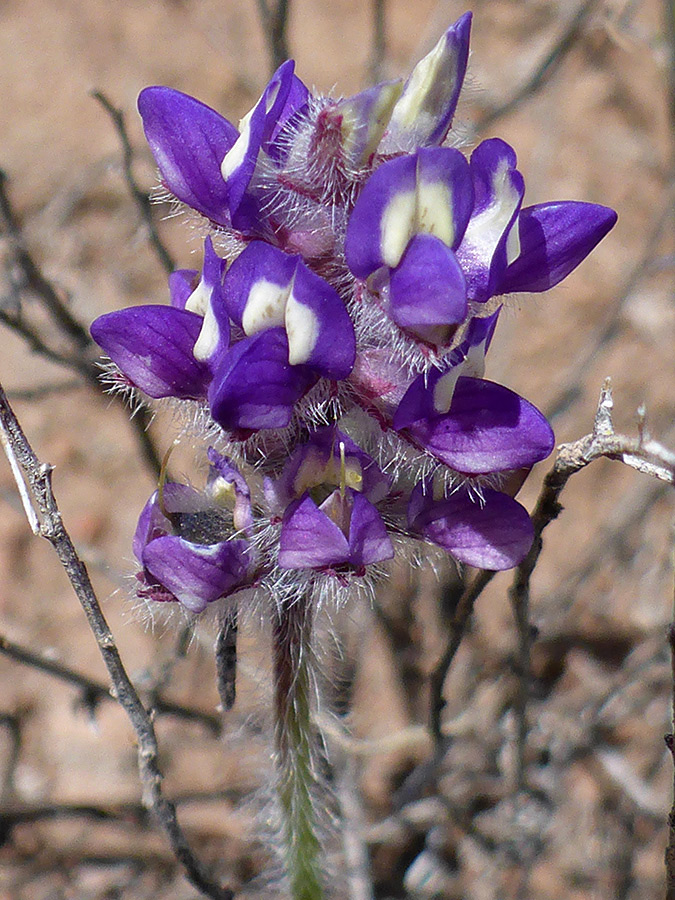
(331, 520)
(351, 314)
(178, 542)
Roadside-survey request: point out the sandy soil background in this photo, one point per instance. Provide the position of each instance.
(593, 825)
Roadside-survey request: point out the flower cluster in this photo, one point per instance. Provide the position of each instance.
(353, 274)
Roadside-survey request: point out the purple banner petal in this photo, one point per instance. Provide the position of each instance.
(554, 239)
(490, 241)
(382, 221)
(256, 128)
(319, 328)
(188, 140)
(152, 346)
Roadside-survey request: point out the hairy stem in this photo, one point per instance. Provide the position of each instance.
(297, 780)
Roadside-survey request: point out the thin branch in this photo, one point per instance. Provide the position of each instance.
(45, 391)
(95, 691)
(379, 47)
(124, 813)
(140, 197)
(545, 70)
(274, 19)
(600, 337)
(34, 280)
(670, 743)
(458, 625)
(81, 360)
(37, 479)
(641, 453)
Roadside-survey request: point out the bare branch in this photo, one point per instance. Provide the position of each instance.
(458, 625)
(642, 453)
(37, 478)
(82, 358)
(140, 197)
(34, 280)
(545, 70)
(94, 691)
(274, 19)
(379, 46)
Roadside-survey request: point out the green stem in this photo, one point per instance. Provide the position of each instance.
(297, 780)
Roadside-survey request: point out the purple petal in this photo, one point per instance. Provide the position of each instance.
(296, 105)
(445, 194)
(490, 240)
(431, 393)
(196, 574)
(207, 300)
(152, 346)
(554, 239)
(182, 283)
(256, 128)
(255, 386)
(224, 473)
(427, 290)
(318, 461)
(257, 285)
(319, 329)
(188, 140)
(361, 120)
(368, 539)
(424, 113)
(382, 220)
(495, 533)
(152, 523)
(488, 429)
(266, 288)
(309, 539)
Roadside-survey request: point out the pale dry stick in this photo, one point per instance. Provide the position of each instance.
(93, 692)
(641, 453)
(33, 480)
(379, 47)
(274, 19)
(140, 197)
(544, 71)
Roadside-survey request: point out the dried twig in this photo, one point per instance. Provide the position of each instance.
(139, 196)
(82, 358)
(95, 691)
(670, 743)
(545, 70)
(379, 46)
(274, 18)
(641, 453)
(34, 483)
(33, 279)
(458, 625)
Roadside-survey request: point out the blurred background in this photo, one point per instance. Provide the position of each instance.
(585, 91)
